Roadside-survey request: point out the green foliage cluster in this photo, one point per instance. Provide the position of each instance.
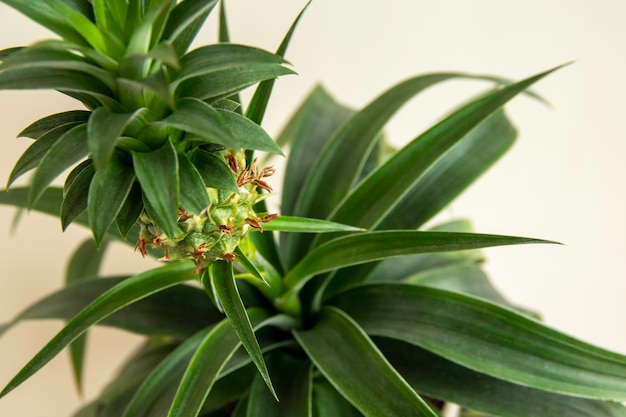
(351, 308)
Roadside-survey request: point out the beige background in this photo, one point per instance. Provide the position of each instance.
(562, 181)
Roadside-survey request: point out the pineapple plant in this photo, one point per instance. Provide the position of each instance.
(339, 303)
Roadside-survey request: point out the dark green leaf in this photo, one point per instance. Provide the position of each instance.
(157, 172)
(372, 246)
(249, 266)
(249, 134)
(434, 376)
(38, 128)
(339, 348)
(487, 338)
(126, 292)
(223, 283)
(33, 156)
(130, 211)
(194, 197)
(452, 173)
(214, 170)
(376, 196)
(203, 121)
(185, 20)
(65, 152)
(293, 386)
(107, 193)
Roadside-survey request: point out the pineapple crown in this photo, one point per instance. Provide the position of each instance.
(159, 118)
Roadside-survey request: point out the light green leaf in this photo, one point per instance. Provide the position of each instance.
(203, 121)
(339, 348)
(157, 172)
(195, 197)
(108, 191)
(249, 134)
(127, 292)
(293, 378)
(376, 196)
(213, 169)
(34, 154)
(42, 126)
(373, 246)
(452, 173)
(65, 152)
(103, 130)
(223, 283)
(487, 338)
(305, 225)
(434, 376)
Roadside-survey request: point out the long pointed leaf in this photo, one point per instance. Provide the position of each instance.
(373, 246)
(305, 225)
(76, 192)
(434, 376)
(487, 338)
(223, 282)
(128, 291)
(249, 134)
(195, 196)
(185, 20)
(40, 127)
(339, 348)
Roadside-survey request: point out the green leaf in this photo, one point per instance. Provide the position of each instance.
(126, 292)
(293, 386)
(249, 265)
(185, 21)
(373, 246)
(103, 130)
(83, 265)
(434, 376)
(35, 153)
(195, 197)
(76, 192)
(261, 97)
(42, 126)
(107, 193)
(452, 173)
(339, 348)
(203, 121)
(214, 171)
(376, 196)
(221, 70)
(157, 172)
(487, 338)
(223, 283)
(249, 134)
(329, 403)
(65, 152)
(305, 225)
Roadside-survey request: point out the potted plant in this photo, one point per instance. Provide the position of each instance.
(354, 309)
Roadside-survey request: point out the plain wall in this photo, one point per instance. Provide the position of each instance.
(563, 180)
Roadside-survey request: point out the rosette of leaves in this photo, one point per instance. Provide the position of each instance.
(358, 309)
(159, 119)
